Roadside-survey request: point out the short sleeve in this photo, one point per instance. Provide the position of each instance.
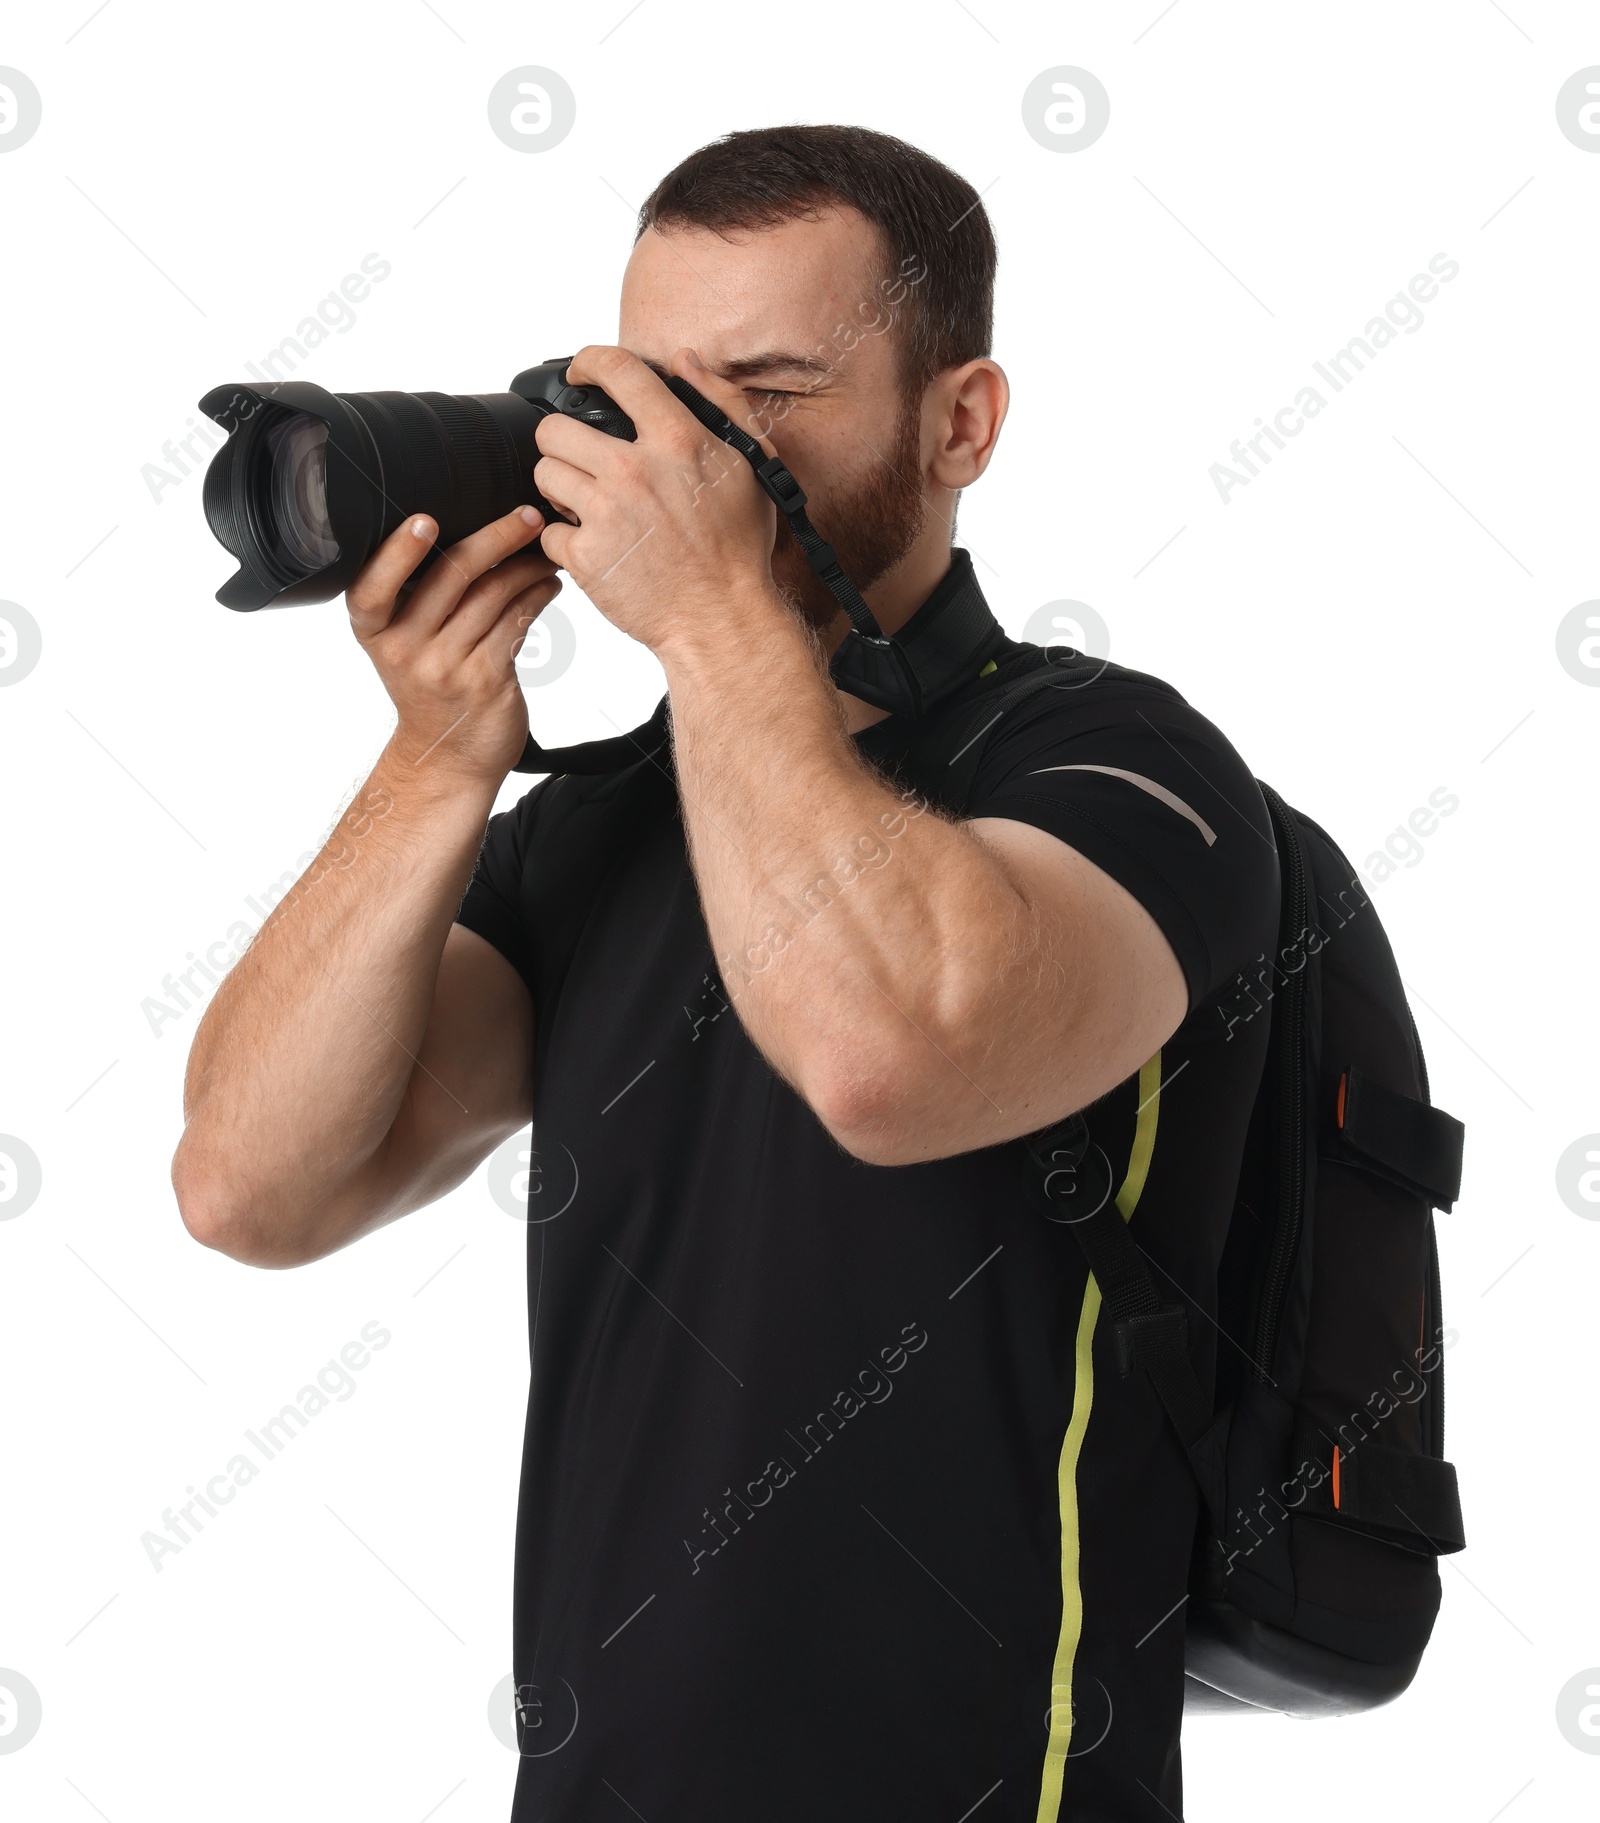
(1151, 792)
(492, 904)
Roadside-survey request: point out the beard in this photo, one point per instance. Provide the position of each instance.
(871, 518)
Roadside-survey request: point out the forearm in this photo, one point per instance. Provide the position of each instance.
(302, 1060)
(857, 932)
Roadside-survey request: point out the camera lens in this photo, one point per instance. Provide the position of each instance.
(297, 488)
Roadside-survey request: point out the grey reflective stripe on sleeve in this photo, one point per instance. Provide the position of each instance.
(1169, 798)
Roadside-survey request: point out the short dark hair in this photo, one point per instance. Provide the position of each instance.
(931, 222)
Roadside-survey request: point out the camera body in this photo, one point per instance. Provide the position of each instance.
(309, 483)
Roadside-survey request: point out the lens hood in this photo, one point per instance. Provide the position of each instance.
(238, 500)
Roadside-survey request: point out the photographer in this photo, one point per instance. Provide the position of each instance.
(833, 1504)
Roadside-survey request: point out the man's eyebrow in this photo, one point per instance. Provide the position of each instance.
(777, 361)
(773, 361)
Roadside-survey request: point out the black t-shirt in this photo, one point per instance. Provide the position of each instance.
(833, 1503)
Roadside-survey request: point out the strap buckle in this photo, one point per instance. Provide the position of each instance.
(784, 491)
(1060, 1147)
(1150, 1339)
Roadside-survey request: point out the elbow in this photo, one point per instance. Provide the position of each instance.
(875, 1109)
(901, 1093)
(204, 1208)
(265, 1226)
(200, 1211)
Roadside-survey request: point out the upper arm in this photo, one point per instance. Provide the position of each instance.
(1113, 990)
(1132, 828)
(471, 1083)
(1139, 876)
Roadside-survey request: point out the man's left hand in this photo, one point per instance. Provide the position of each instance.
(675, 533)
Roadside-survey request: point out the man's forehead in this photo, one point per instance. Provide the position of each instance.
(746, 297)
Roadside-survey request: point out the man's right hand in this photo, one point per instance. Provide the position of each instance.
(446, 651)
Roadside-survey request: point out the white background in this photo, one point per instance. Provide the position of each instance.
(1371, 618)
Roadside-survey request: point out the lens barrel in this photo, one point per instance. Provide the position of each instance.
(309, 483)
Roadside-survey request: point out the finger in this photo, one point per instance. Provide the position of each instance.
(571, 489)
(437, 594)
(636, 388)
(371, 596)
(504, 639)
(583, 445)
(483, 602)
(557, 542)
(687, 365)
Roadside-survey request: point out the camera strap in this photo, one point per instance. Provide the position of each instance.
(943, 645)
(787, 495)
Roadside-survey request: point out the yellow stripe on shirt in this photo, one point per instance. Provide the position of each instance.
(1060, 1742)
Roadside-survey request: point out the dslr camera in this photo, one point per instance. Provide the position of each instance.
(309, 483)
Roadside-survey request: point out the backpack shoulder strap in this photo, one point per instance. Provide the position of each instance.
(1146, 1333)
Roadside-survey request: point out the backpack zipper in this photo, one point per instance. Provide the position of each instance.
(1291, 1098)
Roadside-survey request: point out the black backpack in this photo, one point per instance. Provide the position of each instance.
(1327, 1499)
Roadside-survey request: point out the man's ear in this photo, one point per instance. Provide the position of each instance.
(963, 410)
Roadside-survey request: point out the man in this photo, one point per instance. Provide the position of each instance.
(834, 1505)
